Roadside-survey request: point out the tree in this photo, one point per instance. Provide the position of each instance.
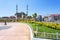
(29, 17)
(34, 16)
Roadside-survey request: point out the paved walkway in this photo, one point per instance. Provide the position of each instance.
(14, 31)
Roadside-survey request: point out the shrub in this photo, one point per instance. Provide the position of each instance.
(49, 24)
(58, 26)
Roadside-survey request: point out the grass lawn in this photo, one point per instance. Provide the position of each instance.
(44, 29)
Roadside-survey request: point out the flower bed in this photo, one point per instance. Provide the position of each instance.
(49, 24)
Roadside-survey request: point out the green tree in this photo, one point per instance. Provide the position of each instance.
(34, 16)
(29, 17)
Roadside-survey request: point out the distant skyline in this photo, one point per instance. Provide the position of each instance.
(41, 7)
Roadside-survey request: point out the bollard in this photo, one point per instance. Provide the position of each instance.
(5, 22)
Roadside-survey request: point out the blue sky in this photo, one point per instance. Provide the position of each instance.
(41, 7)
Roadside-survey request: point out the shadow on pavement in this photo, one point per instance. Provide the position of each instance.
(4, 27)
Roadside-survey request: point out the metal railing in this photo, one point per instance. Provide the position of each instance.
(47, 35)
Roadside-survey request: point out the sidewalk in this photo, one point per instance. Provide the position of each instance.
(16, 31)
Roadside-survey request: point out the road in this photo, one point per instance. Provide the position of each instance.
(14, 31)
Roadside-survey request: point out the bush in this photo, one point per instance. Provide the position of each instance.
(49, 24)
(58, 27)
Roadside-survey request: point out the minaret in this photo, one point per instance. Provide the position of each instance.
(16, 11)
(27, 9)
(16, 8)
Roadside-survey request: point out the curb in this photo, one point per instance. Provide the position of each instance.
(31, 30)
